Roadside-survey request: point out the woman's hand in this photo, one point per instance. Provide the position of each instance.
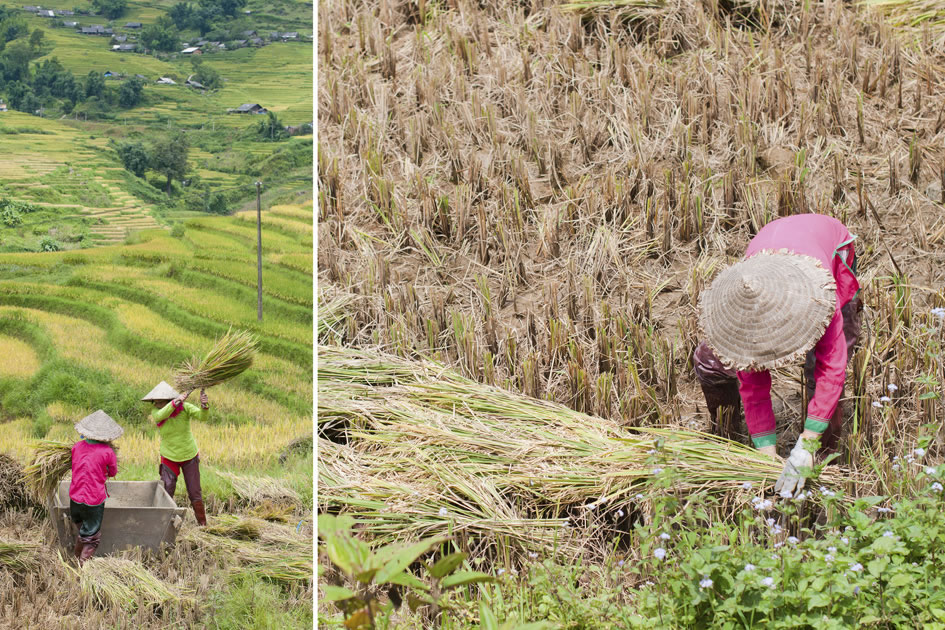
(204, 401)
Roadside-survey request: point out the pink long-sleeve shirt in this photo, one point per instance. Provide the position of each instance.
(830, 242)
(92, 464)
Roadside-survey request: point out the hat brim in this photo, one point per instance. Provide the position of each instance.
(768, 310)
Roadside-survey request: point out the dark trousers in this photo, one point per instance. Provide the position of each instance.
(87, 517)
(191, 471)
(720, 385)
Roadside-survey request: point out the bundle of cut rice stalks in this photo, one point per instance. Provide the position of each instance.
(19, 556)
(52, 461)
(235, 527)
(121, 583)
(230, 356)
(910, 13)
(430, 452)
(275, 558)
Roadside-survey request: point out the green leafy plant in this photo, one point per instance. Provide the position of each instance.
(370, 572)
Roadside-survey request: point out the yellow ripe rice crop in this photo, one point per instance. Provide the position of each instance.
(17, 358)
(299, 212)
(268, 219)
(87, 345)
(299, 262)
(272, 241)
(221, 446)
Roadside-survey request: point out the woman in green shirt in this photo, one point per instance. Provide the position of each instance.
(178, 446)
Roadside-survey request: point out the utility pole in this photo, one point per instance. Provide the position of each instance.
(259, 251)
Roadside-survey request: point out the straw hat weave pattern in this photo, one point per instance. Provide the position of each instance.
(768, 310)
(99, 426)
(162, 391)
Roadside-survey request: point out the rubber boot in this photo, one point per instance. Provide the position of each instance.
(77, 550)
(89, 545)
(199, 513)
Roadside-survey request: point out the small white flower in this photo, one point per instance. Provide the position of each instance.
(786, 494)
(591, 506)
(638, 497)
(832, 549)
(665, 536)
(746, 485)
(877, 404)
(885, 399)
(937, 487)
(828, 557)
(656, 471)
(889, 534)
(801, 497)
(766, 505)
(848, 528)
(793, 540)
(620, 563)
(648, 583)
(939, 312)
(846, 541)
(500, 572)
(919, 452)
(532, 555)
(892, 387)
(749, 567)
(652, 451)
(660, 553)
(619, 513)
(768, 581)
(883, 510)
(895, 458)
(755, 500)
(929, 471)
(443, 511)
(565, 523)
(856, 567)
(778, 545)
(896, 467)
(770, 522)
(777, 529)
(705, 583)
(910, 460)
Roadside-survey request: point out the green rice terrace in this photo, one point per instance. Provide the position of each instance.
(96, 149)
(523, 211)
(96, 328)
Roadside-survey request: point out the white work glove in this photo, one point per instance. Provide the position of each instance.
(791, 479)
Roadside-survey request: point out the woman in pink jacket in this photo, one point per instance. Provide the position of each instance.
(93, 461)
(793, 294)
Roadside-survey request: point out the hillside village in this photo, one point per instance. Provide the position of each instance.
(121, 116)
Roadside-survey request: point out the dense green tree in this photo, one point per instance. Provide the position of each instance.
(16, 61)
(36, 39)
(112, 9)
(271, 128)
(129, 94)
(134, 156)
(182, 14)
(169, 157)
(205, 75)
(13, 27)
(94, 84)
(162, 35)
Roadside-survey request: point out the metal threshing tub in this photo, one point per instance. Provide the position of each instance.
(137, 514)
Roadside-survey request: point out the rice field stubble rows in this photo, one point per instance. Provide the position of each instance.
(536, 195)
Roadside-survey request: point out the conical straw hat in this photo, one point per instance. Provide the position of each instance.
(99, 426)
(162, 391)
(768, 310)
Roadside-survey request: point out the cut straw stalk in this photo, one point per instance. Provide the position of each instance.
(231, 356)
(277, 558)
(123, 583)
(19, 557)
(432, 452)
(52, 461)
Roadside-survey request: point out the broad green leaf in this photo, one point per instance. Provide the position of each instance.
(337, 593)
(405, 557)
(938, 613)
(900, 579)
(409, 580)
(487, 618)
(359, 620)
(465, 577)
(331, 524)
(877, 566)
(365, 577)
(341, 552)
(447, 564)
